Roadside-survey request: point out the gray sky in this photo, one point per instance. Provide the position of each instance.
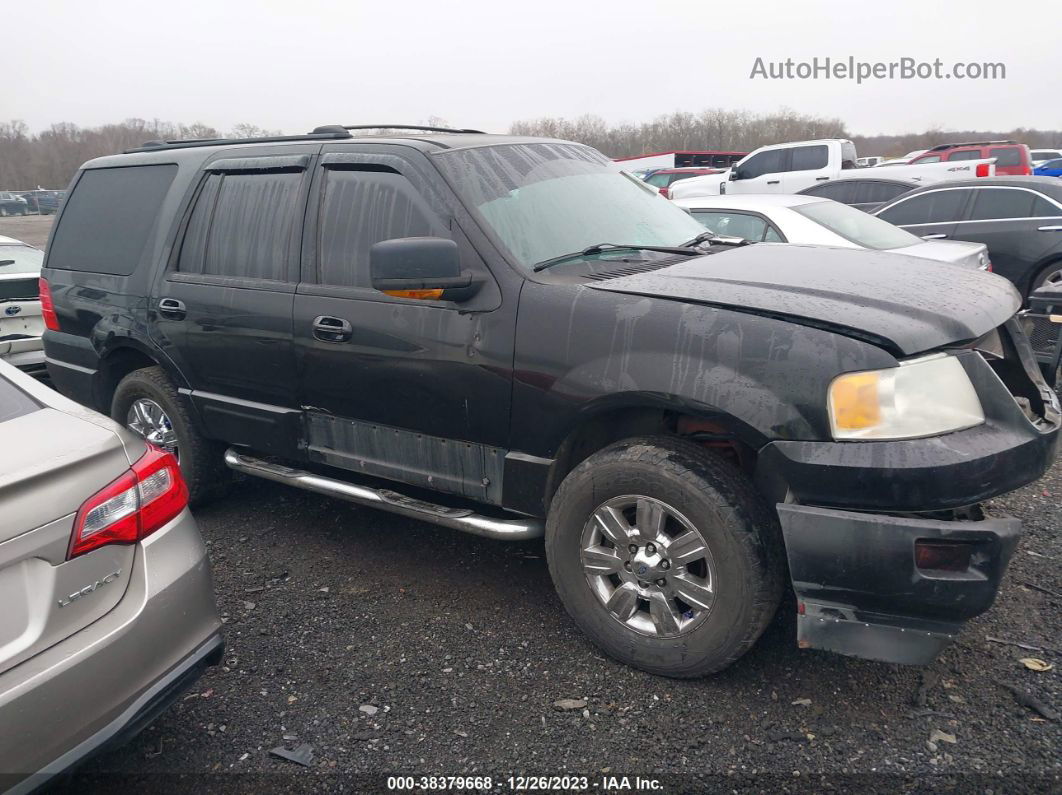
(293, 64)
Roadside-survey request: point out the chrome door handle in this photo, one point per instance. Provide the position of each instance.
(1049, 229)
(332, 329)
(172, 308)
(937, 236)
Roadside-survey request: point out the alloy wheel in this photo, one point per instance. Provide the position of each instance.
(147, 419)
(648, 565)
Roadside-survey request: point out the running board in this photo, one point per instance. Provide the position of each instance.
(463, 519)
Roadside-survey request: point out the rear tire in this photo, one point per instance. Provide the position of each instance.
(695, 630)
(201, 459)
(1051, 274)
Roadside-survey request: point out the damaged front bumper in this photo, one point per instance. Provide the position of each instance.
(873, 585)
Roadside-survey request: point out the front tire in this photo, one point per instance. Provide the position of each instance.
(147, 403)
(665, 556)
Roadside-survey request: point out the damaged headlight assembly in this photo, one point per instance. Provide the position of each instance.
(921, 397)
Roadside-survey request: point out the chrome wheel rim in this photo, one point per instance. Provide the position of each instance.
(648, 566)
(1052, 279)
(147, 419)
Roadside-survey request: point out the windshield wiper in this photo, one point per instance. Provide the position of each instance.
(716, 240)
(599, 248)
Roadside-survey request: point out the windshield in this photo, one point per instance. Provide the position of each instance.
(26, 259)
(545, 200)
(857, 226)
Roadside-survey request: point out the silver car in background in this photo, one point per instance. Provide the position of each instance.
(21, 321)
(107, 603)
(815, 221)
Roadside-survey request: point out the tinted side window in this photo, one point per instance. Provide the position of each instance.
(809, 158)
(842, 191)
(965, 154)
(769, 162)
(108, 218)
(927, 208)
(748, 227)
(1001, 203)
(360, 208)
(1006, 156)
(243, 225)
(1042, 208)
(879, 192)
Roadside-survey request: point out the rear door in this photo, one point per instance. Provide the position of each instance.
(1020, 227)
(55, 462)
(222, 310)
(931, 215)
(409, 389)
(806, 166)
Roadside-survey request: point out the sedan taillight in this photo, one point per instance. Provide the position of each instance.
(132, 507)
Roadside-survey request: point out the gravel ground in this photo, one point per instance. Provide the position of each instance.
(392, 646)
(31, 229)
(395, 647)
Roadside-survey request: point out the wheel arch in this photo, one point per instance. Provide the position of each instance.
(622, 416)
(119, 360)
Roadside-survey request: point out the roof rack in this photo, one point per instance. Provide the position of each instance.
(422, 127)
(942, 147)
(323, 133)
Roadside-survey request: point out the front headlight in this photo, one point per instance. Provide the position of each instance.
(921, 397)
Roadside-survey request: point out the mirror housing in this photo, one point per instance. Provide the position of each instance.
(735, 174)
(427, 266)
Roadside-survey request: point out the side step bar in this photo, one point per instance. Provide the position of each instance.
(457, 518)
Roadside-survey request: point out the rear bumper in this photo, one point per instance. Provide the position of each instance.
(861, 593)
(108, 681)
(26, 353)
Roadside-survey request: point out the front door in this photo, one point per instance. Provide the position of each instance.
(408, 389)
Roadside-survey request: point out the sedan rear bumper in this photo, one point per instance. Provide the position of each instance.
(862, 590)
(108, 680)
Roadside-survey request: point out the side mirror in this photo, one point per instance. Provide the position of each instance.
(418, 267)
(736, 174)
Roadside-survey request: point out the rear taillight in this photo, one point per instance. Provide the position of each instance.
(665, 192)
(132, 507)
(981, 170)
(51, 320)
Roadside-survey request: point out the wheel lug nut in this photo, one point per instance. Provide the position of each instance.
(632, 548)
(665, 565)
(627, 565)
(661, 582)
(650, 549)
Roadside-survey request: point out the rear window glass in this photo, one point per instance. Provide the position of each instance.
(857, 226)
(809, 158)
(1006, 156)
(14, 402)
(109, 217)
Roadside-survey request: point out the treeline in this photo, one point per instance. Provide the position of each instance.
(49, 159)
(732, 130)
(742, 131)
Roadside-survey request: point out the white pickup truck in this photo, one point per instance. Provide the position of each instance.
(791, 167)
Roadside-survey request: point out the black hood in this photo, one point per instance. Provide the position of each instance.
(909, 305)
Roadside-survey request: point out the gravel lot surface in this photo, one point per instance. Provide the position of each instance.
(31, 229)
(392, 646)
(395, 647)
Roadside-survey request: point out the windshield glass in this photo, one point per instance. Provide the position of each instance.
(857, 226)
(26, 259)
(545, 200)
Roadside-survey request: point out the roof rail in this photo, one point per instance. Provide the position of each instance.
(330, 133)
(942, 147)
(421, 127)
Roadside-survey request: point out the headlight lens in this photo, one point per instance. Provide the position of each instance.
(921, 397)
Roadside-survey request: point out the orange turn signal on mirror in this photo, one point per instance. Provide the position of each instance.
(423, 295)
(854, 401)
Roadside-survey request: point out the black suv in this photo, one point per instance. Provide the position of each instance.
(509, 337)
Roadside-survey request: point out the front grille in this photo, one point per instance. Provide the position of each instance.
(19, 288)
(1043, 334)
(1008, 352)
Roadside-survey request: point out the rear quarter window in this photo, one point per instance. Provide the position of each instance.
(109, 217)
(1006, 155)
